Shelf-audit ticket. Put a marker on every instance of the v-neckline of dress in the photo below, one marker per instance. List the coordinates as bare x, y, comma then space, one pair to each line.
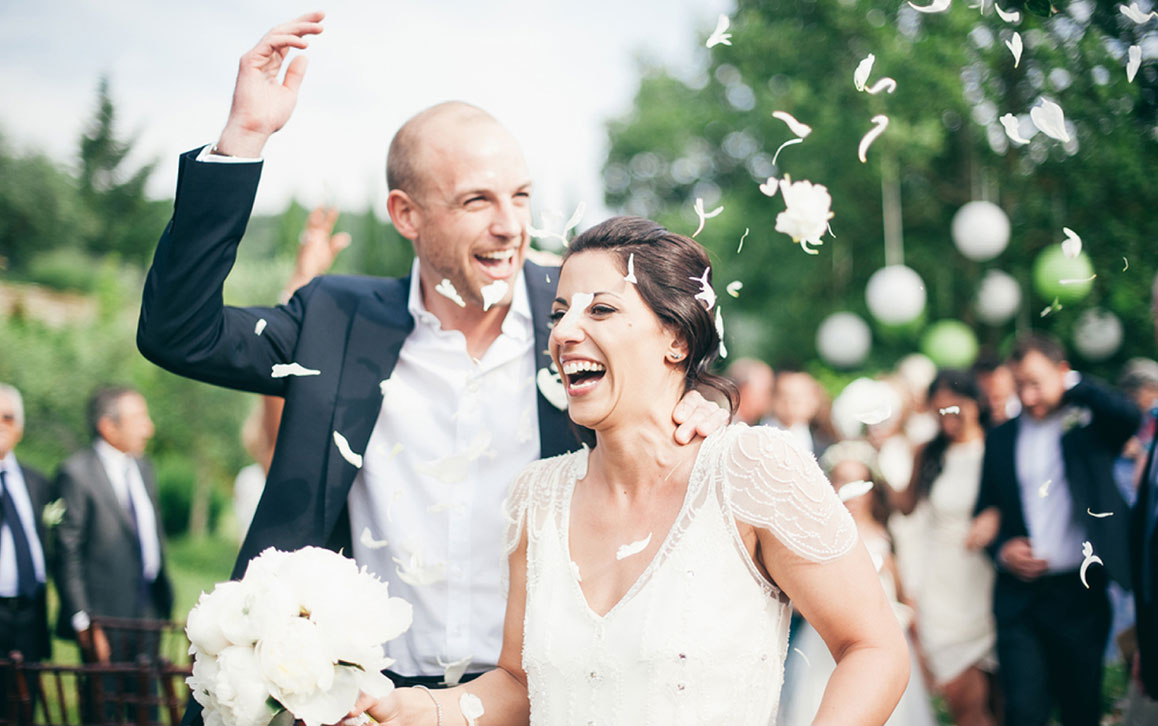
665, 546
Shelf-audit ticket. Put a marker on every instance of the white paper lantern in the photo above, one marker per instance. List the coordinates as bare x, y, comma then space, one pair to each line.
998, 297
864, 402
1097, 334
895, 294
980, 230
843, 340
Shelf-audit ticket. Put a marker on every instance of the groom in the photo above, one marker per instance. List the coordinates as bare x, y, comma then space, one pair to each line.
414, 401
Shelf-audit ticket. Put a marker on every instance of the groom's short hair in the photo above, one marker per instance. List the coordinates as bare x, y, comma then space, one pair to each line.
402, 159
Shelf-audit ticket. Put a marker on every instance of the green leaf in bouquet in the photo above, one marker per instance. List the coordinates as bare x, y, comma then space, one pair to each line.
282, 718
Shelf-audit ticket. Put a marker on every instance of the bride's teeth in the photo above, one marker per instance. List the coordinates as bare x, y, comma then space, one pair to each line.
577, 366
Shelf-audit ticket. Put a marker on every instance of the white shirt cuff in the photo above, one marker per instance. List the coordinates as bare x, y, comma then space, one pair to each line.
80, 621
206, 154
1071, 379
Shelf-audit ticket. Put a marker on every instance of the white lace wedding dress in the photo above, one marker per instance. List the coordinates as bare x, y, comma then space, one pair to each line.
700, 638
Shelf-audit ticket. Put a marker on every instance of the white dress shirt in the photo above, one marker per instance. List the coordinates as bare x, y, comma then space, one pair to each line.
124, 474
451, 435
1055, 533
19, 491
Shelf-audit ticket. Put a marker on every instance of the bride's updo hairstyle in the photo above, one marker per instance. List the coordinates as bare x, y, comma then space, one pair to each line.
668, 268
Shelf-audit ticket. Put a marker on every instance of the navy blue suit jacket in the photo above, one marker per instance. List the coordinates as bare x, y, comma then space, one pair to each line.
1146, 604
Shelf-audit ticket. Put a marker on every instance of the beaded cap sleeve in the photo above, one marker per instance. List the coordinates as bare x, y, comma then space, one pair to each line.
772, 483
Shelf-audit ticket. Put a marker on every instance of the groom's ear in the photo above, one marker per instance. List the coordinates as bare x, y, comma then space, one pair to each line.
404, 213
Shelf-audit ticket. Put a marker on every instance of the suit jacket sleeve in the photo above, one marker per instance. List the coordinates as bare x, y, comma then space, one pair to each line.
184, 324
70, 544
1114, 418
988, 496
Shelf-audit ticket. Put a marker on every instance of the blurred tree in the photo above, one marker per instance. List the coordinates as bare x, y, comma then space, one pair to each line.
127, 222
711, 135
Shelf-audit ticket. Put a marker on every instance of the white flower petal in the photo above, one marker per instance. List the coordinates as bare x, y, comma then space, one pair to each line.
1072, 247
630, 276
471, 707
576, 217
368, 541
281, 370
800, 653
861, 75
808, 209
720, 36
789, 142
414, 571
446, 289
551, 386
1077, 281
1050, 120
769, 187
937, 6
720, 332
1133, 12
344, 449
1134, 62
704, 216
854, 489
874, 416
1098, 515
1090, 559
1043, 490
1015, 47
1011, 16
706, 293
453, 671
734, 288
881, 122
745, 236
802, 130
1012, 129
494, 293
634, 548
884, 84
260, 327
948, 410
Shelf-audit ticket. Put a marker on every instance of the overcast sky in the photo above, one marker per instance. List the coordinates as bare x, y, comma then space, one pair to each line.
552, 72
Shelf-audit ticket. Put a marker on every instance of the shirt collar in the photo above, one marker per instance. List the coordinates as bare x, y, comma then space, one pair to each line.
8, 462
516, 324
111, 454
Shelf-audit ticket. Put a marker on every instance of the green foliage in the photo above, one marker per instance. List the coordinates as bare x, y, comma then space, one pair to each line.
712, 136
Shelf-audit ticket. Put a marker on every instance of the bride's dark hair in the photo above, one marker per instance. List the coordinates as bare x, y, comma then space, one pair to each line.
668, 268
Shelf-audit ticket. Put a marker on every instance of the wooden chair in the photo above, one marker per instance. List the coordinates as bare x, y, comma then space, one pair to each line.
162, 639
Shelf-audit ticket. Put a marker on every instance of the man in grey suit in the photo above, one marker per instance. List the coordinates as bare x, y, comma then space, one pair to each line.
111, 556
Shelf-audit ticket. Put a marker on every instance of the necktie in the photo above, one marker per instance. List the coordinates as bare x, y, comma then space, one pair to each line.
131, 508
26, 584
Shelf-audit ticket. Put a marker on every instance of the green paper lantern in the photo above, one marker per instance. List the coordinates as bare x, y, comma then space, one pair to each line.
1052, 267
950, 344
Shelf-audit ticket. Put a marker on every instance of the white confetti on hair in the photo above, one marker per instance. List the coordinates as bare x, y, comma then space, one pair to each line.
260, 327
281, 370
720, 36
881, 122
706, 293
720, 332
446, 289
633, 548
630, 276
1090, 559
704, 216
345, 450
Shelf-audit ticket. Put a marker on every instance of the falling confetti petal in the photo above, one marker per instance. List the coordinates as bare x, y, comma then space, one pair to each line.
1050, 120
854, 489
937, 6
453, 671
720, 36
281, 370
1011, 16
884, 84
704, 216
346, 452
769, 187
1043, 490
575, 571
789, 142
1098, 515
802, 130
1090, 559
706, 293
1012, 129
1052, 307
745, 236
446, 289
551, 386
1015, 47
455, 468
720, 332
634, 548
1072, 247
493, 293
1077, 281
1134, 62
949, 409
445, 506
804, 246
630, 276
416, 573
1133, 12
260, 327
1125, 264
471, 707
368, 541
800, 653
875, 416
562, 234
861, 75
734, 288
881, 123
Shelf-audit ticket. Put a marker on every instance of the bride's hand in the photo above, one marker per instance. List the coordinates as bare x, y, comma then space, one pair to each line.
384, 710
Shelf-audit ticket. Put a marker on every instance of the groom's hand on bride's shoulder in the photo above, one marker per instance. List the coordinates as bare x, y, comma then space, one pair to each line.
262, 102
697, 416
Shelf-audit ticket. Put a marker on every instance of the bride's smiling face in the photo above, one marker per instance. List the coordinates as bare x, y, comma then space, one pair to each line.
614, 354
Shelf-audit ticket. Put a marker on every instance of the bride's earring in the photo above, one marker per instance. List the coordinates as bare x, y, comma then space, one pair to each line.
675, 357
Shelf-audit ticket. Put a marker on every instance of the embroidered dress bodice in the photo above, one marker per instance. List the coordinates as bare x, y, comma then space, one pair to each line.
701, 636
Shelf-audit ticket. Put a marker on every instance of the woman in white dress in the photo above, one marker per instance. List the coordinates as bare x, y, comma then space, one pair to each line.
955, 602
650, 583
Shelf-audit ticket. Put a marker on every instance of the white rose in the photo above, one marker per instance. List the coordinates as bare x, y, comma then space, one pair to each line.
208, 619
331, 705
296, 660
203, 682
304, 570
242, 693
809, 209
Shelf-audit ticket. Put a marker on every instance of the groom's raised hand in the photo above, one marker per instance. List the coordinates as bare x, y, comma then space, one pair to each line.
262, 101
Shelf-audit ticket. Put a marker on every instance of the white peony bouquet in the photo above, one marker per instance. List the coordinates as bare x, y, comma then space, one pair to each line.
301, 632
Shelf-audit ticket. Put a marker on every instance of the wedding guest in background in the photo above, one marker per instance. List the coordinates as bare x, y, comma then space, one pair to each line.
797, 407
754, 380
1139, 381
1049, 471
24, 492
995, 379
955, 602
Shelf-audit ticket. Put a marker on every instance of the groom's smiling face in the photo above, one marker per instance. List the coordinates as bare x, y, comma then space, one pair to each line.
472, 207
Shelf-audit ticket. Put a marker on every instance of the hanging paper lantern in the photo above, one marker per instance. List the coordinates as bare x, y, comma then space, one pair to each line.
864, 402
1097, 334
998, 297
980, 230
1067, 279
843, 340
950, 343
895, 294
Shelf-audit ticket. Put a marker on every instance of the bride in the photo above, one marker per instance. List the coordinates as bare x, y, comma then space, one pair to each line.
651, 583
